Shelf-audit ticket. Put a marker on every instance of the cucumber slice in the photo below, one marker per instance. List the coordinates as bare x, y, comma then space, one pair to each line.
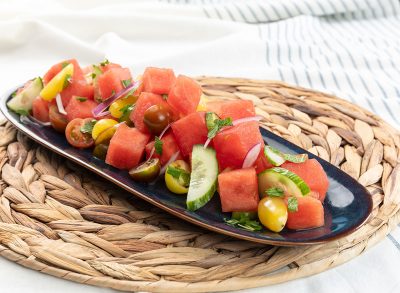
289, 182
203, 179
274, 156
22, 102
300, 158
210, 120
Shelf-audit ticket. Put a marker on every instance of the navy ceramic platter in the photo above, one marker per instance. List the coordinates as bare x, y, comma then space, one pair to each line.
347, 205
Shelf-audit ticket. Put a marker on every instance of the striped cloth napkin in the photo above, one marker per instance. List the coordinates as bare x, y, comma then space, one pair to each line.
350, 48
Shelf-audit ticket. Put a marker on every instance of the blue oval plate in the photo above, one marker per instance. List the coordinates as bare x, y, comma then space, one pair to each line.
347, 204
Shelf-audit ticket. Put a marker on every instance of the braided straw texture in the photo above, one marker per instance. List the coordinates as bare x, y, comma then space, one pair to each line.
58, 219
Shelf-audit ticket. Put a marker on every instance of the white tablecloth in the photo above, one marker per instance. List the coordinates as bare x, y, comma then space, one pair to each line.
347, 47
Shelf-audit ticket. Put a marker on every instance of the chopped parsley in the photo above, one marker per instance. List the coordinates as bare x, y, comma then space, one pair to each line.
181, 175
81, 99
126, 82
215, 126
244, 223
292, 204
158, 145
88, 126
274, 192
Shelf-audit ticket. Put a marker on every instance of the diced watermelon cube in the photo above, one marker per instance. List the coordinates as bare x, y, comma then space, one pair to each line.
110, 82
77, 88
309, 214
184, 95
189, 131
79, 107
238, 190
56, 68
40, 109
313, 174
232, 144
108, 66
236, 109
169, 147
126, 147
158, 80
145, 101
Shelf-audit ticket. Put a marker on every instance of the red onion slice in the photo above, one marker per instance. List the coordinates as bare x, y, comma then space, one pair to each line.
207, 142
161, 135
60, 105
252, 156
247, 119
105, 113
172, 159
103, 106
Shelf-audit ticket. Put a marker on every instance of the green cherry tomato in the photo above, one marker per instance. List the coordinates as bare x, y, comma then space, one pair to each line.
100, 151
272, 213
177, 177
147, 171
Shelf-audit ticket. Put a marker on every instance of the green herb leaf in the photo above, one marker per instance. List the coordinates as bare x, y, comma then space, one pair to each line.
181, 175
125, 109
104, 63
216, 126
126, 83
292, 204
64, 64
93, 75
274, 192
88, 126
244, 223
67, 80
165, 97
81, 99
158, 145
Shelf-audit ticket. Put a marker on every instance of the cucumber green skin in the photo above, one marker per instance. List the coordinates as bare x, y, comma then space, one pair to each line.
22, 103
200, 201
286, 178
269, 152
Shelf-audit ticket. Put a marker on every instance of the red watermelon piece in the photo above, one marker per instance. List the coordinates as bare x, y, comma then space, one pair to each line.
79, 107
126, 147
313, 174
56, 68
310, 214
238, 190
184, 95
262, 162
77, 88
110, 82
189, 131
40, 109
145, 101
108, 66
158, 80
232, 144
235, 109
169, 147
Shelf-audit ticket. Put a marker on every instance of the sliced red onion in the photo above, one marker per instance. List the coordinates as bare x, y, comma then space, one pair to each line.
207, 142
32, 120
172, 159
60, 105
103, 106
252, 156
105, 113
247, 119
164, 131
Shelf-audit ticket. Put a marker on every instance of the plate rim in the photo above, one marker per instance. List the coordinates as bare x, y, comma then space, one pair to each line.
290, 243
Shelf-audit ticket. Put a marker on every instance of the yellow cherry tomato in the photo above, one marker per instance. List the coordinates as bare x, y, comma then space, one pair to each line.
102, 125
56, 84
272, 212
202, 106
177, 177
117, 108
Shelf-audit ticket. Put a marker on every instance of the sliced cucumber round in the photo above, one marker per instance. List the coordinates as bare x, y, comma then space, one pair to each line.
290, 183
22, 102
203, 179
274, 156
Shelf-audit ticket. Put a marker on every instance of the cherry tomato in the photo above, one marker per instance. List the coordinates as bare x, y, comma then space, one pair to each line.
147, 171
118, 108
156, 118
57, 120
272, 212
105, 136
100, 151
101, 126
179, 183
75, 136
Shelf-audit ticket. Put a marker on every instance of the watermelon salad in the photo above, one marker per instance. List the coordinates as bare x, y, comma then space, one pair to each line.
159, 126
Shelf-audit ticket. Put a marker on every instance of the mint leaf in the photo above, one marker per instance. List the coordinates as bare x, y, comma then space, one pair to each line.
158, 145
93, 75
64, 64
104, 63
244, 223
125, 109
88, 126
181, 175
292, 204
81, 99
126, 82
215, 126
274, 192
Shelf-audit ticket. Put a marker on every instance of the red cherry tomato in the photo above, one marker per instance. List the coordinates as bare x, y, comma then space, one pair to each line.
76, 137
57, 120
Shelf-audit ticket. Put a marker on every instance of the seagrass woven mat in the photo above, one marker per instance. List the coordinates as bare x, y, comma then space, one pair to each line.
61, 220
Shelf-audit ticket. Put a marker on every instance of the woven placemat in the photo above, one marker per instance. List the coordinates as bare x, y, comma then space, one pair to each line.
61, 220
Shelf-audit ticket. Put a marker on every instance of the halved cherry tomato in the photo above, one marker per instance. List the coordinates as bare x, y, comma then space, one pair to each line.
101, 126
76, 137
118, 108
57, 120
156, 118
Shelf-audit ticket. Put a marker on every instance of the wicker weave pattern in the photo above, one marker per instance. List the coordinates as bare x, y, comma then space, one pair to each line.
58, 219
